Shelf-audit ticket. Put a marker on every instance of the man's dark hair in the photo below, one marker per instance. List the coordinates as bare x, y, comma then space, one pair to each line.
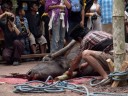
7, 4
32, 4
18, 10
78, 31
4, 6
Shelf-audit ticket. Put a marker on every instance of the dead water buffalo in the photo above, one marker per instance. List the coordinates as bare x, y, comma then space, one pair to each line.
52, 68
58, 65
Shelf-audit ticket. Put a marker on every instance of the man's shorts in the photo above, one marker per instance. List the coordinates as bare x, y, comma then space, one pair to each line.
40, 40
102, 57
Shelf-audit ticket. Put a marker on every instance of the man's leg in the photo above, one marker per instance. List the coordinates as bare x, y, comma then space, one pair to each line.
42, 41
33, 47
18, 50
32, 43
7, 55
71, 26
55, 36
47, 33
43, 48
88, 56
62, 36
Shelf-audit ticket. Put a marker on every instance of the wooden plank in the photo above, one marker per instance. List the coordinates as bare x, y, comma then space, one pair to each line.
33, 55
110, 65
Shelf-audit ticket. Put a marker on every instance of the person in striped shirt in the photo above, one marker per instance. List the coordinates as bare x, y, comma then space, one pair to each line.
94, 49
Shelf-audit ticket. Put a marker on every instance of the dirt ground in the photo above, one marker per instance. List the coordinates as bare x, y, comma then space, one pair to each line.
7, 89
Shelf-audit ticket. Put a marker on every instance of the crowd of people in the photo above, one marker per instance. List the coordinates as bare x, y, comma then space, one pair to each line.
44, 26
54, 23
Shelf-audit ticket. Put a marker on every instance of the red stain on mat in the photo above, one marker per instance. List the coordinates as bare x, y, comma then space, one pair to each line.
13, 80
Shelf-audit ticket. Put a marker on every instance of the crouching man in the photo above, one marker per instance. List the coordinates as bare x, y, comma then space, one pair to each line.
13, 46
95, 48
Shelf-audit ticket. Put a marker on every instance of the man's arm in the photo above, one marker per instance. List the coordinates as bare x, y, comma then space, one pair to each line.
74, 64
57, 6
4, 14
16, 29
67, 4
82, 15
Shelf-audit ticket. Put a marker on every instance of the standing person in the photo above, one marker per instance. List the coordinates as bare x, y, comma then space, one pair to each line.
75, 16
106, 14
87, 5
34, 26
95, 48
13, 46
94, 21
44, 21
57, 10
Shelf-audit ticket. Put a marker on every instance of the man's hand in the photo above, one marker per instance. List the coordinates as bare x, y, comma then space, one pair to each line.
82, 24
69, 72
9, 13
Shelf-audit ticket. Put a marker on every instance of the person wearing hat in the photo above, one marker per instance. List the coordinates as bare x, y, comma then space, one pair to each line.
94, 49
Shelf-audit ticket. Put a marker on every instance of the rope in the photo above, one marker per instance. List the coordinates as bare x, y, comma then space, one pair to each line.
56, 87
99, 83
123, 75
111, 76
49, 88
108, 94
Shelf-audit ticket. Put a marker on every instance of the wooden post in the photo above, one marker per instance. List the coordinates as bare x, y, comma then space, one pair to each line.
118, 34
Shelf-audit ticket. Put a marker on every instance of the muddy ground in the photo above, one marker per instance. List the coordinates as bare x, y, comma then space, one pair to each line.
7, 89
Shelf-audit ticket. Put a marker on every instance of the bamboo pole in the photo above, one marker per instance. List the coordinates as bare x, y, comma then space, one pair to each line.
118, 35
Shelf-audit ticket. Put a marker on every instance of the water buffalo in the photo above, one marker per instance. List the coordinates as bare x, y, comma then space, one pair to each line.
58, 65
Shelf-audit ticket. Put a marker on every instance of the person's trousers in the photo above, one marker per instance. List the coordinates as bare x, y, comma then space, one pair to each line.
58, 35
72, 24
14, 53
